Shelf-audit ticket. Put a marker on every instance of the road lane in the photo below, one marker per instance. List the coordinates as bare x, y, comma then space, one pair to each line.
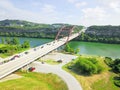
18, 63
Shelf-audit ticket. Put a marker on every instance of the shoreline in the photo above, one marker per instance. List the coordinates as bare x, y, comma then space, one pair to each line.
54, 38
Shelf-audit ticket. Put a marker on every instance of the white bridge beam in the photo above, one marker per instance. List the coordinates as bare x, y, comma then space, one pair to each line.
33, 54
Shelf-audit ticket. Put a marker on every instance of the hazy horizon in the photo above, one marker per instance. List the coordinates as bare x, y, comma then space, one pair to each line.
77, 12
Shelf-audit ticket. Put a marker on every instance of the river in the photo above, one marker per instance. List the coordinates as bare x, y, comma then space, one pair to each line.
89, 48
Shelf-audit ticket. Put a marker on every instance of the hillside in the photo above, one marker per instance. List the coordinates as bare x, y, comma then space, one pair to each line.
105, 31
20, 28
28, 29
105, 34
21, 24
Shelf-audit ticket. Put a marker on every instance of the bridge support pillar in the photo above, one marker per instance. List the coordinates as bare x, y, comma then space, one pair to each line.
25, 68
55, 50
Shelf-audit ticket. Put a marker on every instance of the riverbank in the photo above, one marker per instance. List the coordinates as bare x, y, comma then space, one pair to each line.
102, 81
95, 82
89, 48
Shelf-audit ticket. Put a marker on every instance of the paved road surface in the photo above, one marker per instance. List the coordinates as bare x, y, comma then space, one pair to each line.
71, 82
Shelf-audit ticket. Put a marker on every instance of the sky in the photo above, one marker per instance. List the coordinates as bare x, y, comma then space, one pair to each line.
77, 12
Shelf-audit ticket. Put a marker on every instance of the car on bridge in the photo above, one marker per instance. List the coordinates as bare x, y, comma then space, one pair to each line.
16, 56
42, 46
26, 52
48, 43
35, 49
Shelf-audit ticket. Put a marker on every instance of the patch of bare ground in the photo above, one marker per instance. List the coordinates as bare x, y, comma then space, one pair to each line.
10, 77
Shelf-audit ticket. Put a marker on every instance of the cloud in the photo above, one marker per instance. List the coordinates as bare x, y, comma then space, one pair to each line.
94, 16
115, 6
72, 1
97, 13
48, 8
36, 4
5, 4
9, 11
111, 4
83, 12
80, 4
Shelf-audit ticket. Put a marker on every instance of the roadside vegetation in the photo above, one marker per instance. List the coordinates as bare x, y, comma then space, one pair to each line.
70, 50
92, 73
34, 81
49, 61
87, 66
9, 46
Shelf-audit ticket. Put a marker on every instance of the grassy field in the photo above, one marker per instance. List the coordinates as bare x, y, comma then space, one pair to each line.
2, 45
50, 61
34, 81
103, 81
4, 55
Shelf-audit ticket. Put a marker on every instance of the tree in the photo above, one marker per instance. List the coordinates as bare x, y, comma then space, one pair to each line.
76, 50
88, 66
116, 65
7, 40
2, 40
26, 44
67, 48
15, 41
82, 36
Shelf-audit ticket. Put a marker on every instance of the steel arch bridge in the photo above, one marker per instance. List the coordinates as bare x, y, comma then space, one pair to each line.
69, 30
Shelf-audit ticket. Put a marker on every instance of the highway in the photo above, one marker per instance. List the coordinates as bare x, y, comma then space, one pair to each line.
33, 54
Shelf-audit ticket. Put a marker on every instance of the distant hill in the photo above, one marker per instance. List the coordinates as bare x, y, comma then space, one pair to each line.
27, 24
22, 23
21, 28
29, 29
105, 34
16, 23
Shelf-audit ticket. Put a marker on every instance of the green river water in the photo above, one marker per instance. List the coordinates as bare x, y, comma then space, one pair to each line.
89, 48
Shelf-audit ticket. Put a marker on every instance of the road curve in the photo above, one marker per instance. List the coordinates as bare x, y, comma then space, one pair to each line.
71, 82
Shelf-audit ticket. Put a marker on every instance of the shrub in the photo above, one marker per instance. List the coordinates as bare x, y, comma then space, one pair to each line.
108, 61
67, 48
116, 65
88, 66
93, 60
99, 68
117, 81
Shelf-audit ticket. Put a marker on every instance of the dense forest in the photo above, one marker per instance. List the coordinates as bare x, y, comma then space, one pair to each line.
104, 34
20, 28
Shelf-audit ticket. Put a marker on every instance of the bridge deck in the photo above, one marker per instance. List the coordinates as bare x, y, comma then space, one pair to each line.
11, 66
